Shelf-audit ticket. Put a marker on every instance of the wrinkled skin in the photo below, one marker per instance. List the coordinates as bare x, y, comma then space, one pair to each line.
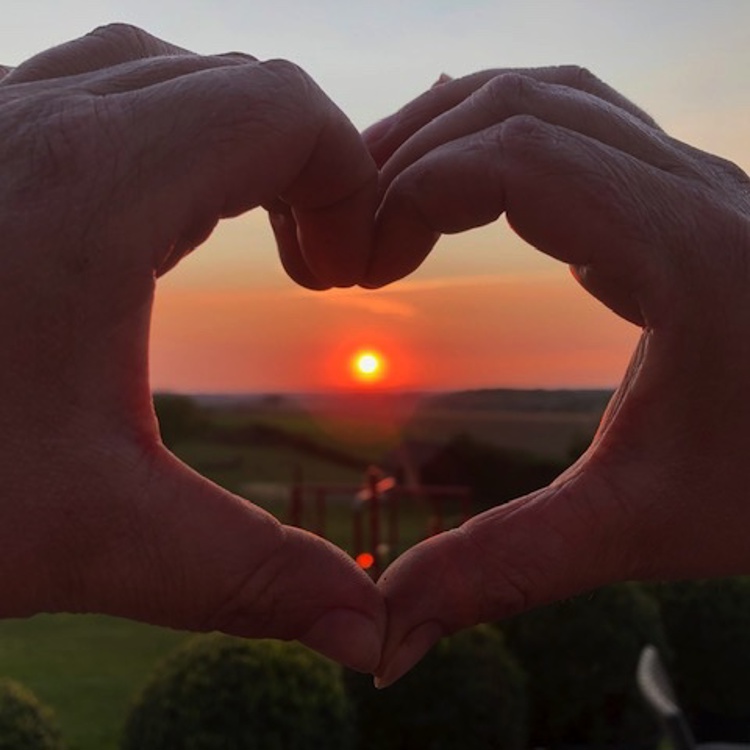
660, 233
120, 153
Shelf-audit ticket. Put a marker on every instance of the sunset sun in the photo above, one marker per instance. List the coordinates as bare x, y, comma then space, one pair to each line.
368, 366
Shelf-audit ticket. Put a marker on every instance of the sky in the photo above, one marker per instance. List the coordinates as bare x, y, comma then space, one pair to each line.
484, 310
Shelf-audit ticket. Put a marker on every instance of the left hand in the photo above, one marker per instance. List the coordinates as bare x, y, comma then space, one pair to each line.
120, 154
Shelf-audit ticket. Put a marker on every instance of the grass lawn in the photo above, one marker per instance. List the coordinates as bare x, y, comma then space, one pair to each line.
86, 668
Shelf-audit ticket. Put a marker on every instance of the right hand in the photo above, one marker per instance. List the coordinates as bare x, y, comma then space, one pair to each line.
660, 233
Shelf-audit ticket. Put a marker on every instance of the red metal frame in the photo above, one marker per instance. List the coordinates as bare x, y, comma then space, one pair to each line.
375, 503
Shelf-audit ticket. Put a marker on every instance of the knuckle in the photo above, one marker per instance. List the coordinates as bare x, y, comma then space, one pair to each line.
123, 35
289, 73
520, 127
294, 82
734, 172
510, 86
503, 95
580, 77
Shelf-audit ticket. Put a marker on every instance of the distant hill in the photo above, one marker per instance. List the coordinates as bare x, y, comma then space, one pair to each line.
556, 424
487, 399
512, 400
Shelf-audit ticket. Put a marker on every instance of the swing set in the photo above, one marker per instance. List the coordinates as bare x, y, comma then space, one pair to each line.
379, 508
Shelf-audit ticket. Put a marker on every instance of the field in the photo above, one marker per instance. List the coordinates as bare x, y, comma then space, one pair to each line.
88, 668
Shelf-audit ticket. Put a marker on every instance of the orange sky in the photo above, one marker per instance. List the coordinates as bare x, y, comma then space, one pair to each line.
508, 317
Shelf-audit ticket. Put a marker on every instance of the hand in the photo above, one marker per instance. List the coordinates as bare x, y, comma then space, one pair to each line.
120, 153
660, 233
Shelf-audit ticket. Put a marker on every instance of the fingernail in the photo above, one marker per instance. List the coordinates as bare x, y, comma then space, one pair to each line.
278, 220
411, 650
347, 637
443, 78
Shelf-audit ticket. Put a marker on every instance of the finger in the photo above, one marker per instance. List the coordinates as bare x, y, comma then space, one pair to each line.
333, 201
284, 228
223, 141
618, 221
140, 74
557, 542
454, 188
513, 94
104, 47
449, 188
441, 79
572, 197
384, 138
462, 186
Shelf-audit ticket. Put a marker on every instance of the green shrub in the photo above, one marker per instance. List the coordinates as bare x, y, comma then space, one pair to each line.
221, 693
24, 723
581, 657
467, 693
708, 627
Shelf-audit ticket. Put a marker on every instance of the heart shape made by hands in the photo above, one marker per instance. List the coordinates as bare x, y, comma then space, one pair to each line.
122, 152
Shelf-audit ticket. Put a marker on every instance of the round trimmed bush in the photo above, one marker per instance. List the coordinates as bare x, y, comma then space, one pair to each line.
24, 723
467, 693
581, 657
708, 627
222, 693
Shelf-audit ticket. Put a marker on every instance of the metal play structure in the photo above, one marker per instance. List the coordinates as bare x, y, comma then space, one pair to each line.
376, 509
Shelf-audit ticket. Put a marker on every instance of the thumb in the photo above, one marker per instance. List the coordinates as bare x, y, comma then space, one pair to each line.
559, 541
189, 555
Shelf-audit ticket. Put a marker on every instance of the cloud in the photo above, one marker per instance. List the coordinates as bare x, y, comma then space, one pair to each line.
453, 282
390, 301
372, 302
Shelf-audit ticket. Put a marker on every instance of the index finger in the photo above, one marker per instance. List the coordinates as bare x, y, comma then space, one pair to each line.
386, 137
333, 202
104, 47
256, 134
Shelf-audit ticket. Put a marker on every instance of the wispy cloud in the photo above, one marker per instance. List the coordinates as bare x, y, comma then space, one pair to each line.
370, 298
393, 300
372, 303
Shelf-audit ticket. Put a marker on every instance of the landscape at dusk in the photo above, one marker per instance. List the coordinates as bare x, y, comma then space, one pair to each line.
255, 481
